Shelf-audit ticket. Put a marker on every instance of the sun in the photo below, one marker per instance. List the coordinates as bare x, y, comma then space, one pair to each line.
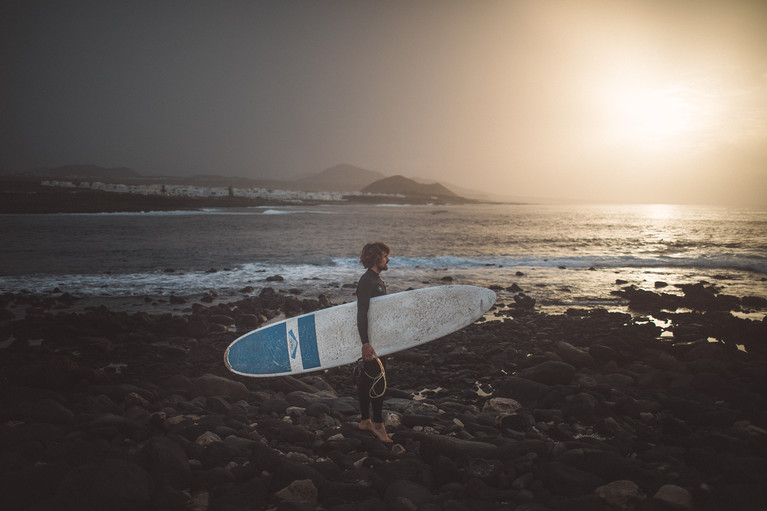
655, 114
658, 115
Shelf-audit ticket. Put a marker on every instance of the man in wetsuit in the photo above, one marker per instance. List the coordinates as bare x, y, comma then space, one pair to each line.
371, 384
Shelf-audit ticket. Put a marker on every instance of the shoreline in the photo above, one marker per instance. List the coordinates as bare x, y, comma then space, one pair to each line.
621, 296
588, 408
30, 197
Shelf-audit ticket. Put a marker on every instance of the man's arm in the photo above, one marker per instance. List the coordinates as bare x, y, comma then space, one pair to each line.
364, 293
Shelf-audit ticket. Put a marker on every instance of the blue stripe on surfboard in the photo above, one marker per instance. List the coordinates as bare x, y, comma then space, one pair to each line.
262, 352
307, 336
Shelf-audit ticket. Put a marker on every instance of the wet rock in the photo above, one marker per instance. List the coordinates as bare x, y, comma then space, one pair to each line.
501, 405
524, 301
674, 496
221, 319
211, 478
61, 373
302, 490
113, 484
549, 373
404, 495
212, 385
264, 458
520, 389
754, 301
701, 297
574, 356
332, 493
284, 431
289, 471
252, 494
562, 479
166, 462
317, 409
50, 410
621, 495
642, 300
275, 407
451, 447
178, 384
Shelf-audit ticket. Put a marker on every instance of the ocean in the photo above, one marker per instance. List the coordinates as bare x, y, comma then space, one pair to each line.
562, 255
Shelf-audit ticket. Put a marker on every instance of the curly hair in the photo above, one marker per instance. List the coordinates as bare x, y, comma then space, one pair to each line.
372, 253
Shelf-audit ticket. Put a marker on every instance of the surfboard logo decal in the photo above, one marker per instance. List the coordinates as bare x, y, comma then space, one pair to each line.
292, 344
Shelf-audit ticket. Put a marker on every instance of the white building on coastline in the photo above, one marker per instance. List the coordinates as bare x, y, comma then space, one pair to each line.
199, 191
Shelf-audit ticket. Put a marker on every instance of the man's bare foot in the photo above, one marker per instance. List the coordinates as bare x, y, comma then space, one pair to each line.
378, 430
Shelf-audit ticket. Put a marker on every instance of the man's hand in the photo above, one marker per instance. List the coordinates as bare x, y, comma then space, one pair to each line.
368, 353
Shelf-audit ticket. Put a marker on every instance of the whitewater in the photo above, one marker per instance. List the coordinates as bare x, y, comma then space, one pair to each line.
561, 255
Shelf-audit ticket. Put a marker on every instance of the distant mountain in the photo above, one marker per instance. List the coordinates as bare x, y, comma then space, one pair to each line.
86, 172
476, 195
409, 188
341, 178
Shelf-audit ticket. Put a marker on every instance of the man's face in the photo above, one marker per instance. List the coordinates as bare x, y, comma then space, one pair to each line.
383, 263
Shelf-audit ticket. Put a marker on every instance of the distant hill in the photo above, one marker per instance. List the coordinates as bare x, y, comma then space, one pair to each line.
86, 172
409, 188
476, 195
341, 178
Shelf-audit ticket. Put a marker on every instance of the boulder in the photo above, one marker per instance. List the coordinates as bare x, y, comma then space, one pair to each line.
522, 301
674, 497
621, 495
113, 484
302, 490
501, 405
404, 495
433, 446
572, 355
212, 385
551, 372
524, 390
50, 410
561, 479
166, 462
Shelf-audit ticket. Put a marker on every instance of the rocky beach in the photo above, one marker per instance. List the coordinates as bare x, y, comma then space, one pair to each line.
663, 408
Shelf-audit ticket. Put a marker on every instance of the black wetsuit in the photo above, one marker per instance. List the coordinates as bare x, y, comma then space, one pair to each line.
369, 286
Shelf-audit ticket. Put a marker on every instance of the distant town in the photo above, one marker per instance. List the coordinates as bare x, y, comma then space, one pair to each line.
90, 188
175, 190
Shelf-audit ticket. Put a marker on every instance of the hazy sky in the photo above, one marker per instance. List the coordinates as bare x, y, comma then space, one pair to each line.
647, 101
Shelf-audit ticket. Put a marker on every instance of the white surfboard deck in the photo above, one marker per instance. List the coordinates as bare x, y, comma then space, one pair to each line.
329, 337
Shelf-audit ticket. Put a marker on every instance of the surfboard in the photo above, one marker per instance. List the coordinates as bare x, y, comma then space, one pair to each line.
329, 337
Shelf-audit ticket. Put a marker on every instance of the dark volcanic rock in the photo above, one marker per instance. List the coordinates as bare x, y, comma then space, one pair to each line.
451, 447
549, 373
166, 462
562, 479
110, 484
585, 410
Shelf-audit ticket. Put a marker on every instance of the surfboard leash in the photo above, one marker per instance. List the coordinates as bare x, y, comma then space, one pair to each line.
375, 379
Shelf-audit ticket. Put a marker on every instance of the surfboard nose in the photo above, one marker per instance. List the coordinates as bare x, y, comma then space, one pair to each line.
487, 299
